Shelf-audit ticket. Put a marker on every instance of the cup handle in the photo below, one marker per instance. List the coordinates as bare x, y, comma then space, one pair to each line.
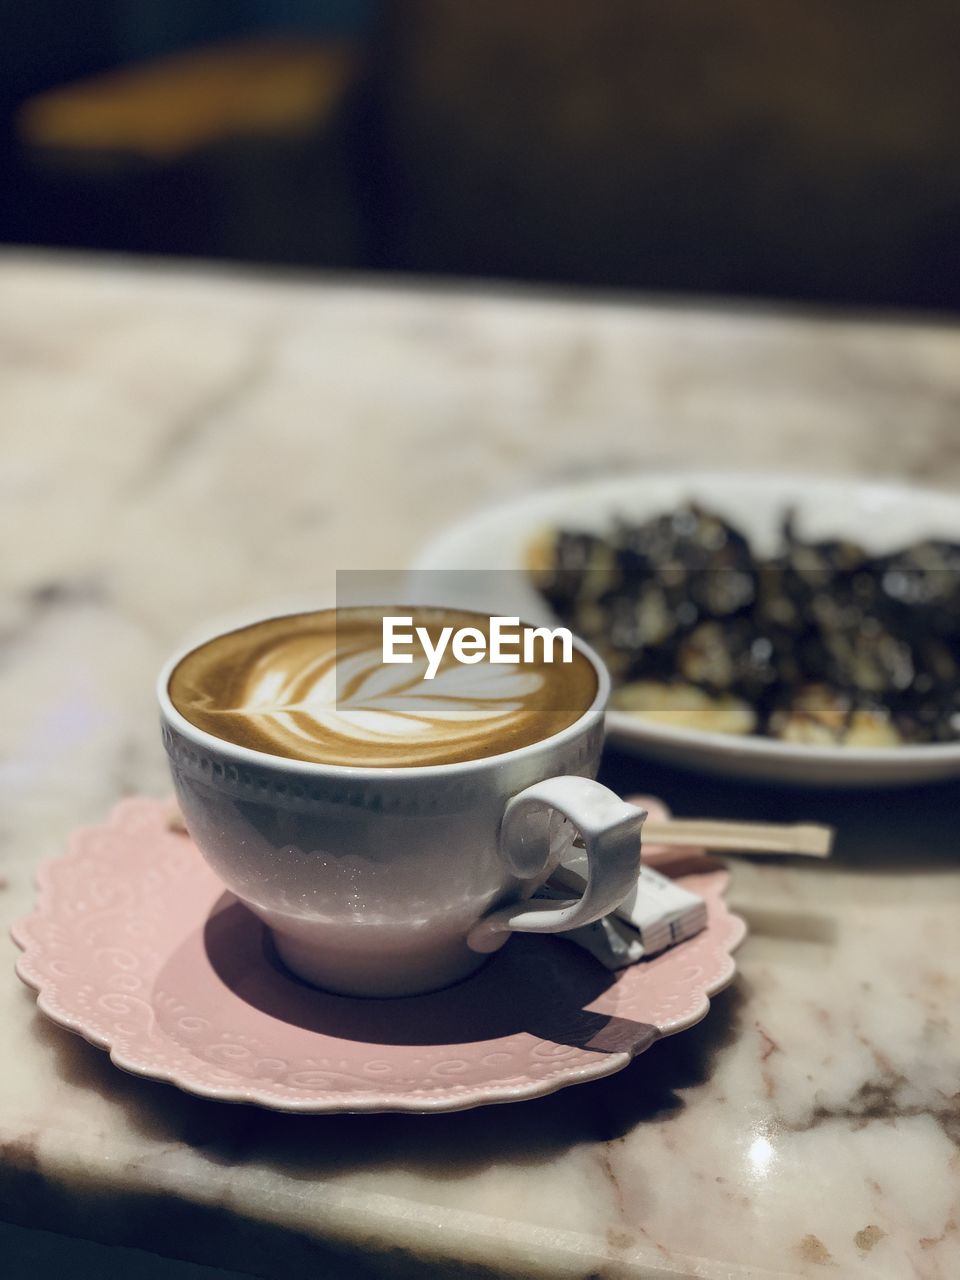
610, 830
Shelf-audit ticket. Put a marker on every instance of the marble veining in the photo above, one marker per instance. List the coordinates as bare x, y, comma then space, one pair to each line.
179, 445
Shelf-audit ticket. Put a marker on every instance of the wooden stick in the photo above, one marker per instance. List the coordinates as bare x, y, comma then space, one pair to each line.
741, 837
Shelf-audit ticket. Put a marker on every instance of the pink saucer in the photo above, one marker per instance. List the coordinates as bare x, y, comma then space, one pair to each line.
136, 946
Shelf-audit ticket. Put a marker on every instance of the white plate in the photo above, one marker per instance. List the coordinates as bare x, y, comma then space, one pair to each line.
880, 516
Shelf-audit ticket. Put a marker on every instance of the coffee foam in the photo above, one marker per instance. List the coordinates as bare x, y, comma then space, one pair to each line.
314, 687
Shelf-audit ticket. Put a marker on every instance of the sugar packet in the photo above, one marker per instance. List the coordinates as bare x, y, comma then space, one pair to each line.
658, 913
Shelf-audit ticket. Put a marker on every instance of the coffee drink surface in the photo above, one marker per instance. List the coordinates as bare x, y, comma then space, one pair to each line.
314, 687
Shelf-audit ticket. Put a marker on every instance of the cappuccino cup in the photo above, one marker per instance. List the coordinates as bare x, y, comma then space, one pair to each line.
390, 832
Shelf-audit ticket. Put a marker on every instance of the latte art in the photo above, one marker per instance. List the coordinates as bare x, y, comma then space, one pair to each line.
314, 687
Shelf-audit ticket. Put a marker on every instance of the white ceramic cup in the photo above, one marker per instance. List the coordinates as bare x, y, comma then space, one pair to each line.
397, 881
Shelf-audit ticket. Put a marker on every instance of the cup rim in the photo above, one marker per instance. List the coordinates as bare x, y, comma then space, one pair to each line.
313, 768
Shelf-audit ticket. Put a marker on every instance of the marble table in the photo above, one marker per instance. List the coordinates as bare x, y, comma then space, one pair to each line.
181, 443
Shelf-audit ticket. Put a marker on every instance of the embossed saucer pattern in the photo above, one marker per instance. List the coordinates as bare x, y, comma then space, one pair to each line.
135, 946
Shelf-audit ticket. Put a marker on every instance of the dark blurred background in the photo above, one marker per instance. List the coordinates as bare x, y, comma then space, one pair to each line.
800, 149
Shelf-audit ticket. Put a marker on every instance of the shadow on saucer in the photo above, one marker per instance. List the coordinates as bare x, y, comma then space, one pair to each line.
541, 986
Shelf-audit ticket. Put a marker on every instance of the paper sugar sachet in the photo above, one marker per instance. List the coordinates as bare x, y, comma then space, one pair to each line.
658, 913
614, 944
